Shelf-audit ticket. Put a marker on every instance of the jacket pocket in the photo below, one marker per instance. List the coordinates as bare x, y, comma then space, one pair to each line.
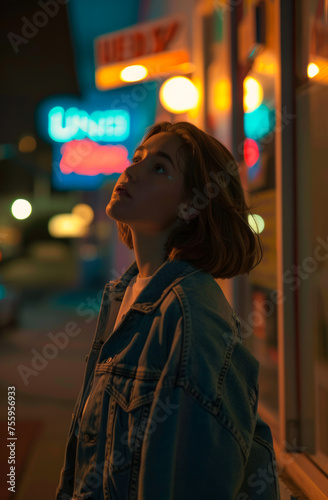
131, 395
130, 387
131, 398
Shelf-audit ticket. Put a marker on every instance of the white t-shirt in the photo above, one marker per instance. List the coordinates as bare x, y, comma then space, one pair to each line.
131, 293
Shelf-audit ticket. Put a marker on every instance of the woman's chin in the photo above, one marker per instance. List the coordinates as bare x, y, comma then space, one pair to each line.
114, 211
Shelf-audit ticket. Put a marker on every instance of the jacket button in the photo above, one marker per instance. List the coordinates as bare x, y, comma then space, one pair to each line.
109, 360
86, 438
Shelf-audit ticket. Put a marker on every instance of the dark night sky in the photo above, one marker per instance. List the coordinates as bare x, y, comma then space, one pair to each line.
41, 67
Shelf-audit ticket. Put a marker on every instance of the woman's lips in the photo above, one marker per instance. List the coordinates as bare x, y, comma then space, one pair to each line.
122, 192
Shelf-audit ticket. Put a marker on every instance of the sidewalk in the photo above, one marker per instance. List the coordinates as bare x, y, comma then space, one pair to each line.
45, 401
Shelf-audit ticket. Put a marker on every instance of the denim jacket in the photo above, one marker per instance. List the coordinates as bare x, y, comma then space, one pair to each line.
172, 413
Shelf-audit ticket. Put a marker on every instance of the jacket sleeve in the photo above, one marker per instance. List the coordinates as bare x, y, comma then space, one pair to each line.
187, 452
64, 490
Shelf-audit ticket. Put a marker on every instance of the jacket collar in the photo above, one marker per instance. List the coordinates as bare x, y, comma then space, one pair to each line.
166, 276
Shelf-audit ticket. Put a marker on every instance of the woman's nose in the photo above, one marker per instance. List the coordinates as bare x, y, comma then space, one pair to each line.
129, 173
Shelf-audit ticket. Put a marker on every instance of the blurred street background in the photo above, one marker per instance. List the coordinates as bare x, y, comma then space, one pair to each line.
80, 83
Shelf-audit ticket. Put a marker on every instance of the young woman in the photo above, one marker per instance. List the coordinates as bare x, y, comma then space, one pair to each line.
168, 407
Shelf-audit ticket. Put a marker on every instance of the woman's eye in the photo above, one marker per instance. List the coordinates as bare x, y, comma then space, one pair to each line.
160, 166
136, 159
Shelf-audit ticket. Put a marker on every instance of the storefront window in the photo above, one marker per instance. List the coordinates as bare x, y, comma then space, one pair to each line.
258, 62
312, 170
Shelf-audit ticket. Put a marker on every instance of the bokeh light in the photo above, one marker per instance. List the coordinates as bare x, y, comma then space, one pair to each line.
256, 222
312, 70
84, 211
27, 144
251, 152
21, 209
10, 235
134, 73
259, 122
178, 94
67, 226
253, 94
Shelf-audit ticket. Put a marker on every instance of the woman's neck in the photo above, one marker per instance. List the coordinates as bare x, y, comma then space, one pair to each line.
149, 252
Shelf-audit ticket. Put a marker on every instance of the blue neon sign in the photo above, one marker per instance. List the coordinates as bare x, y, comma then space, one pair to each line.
94, 135
64, 126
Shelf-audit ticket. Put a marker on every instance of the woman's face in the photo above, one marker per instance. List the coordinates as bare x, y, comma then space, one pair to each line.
155, 184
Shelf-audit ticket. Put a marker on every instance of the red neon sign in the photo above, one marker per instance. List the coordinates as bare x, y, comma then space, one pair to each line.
86, 157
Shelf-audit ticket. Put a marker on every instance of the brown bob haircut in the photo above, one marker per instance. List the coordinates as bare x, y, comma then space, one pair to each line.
219, 239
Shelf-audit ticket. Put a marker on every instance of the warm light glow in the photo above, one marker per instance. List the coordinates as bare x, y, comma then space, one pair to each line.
251, 152
27, 144
256, 222
253, 94
268, 69
134, 73
84, 211
67, 226
10, 235
194, 112
107, 77
312, 70
21, 209
265, 62
178, 94
222, 95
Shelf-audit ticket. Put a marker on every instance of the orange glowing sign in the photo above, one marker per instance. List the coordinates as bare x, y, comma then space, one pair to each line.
136, 43
159, 45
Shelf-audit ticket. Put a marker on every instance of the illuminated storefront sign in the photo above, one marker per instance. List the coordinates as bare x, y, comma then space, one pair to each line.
92, 138
80, 162
160, 46
65, 125
86, 157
